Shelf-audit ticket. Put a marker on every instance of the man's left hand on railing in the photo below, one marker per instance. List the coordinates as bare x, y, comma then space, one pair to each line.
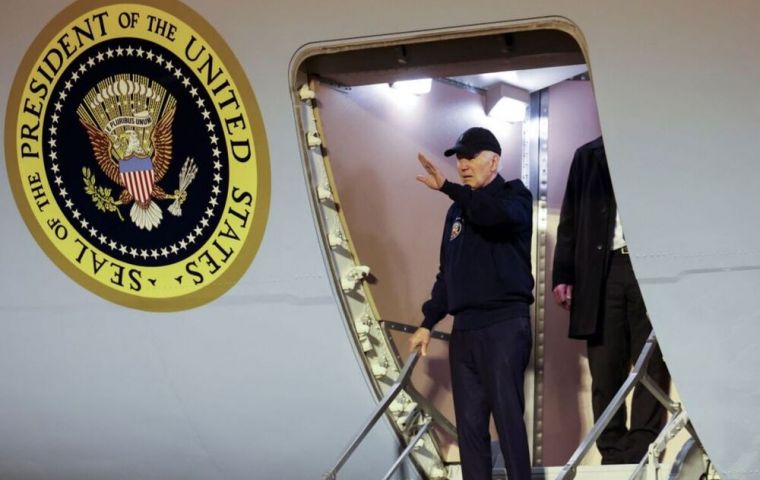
420, 340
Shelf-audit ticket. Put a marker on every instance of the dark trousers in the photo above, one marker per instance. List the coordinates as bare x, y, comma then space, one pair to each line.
487, 370
611, 354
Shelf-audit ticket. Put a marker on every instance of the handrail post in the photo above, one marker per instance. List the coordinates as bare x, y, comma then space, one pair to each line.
402, 380
569, 470
674, 425
427, 423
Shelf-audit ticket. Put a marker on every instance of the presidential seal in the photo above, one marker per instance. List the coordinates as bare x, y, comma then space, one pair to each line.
136, 154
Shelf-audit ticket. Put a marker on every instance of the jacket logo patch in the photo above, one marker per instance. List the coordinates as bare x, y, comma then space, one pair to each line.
456, 229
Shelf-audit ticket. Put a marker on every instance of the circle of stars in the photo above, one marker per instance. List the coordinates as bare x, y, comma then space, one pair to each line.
177, 72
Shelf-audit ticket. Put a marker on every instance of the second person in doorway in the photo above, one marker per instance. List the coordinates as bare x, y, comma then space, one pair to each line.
594, 280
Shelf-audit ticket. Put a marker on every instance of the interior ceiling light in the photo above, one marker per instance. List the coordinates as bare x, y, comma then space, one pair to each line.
505, 102
418, 87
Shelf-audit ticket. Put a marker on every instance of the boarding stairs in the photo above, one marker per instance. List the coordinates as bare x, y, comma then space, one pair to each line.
690, 464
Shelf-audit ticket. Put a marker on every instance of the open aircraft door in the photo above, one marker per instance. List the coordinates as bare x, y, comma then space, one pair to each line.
380, 230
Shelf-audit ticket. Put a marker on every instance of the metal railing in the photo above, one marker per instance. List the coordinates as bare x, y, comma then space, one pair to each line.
417, 418
638, 376
422, 418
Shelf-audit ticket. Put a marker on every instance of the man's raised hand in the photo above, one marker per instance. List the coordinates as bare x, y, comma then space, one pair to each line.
434, 179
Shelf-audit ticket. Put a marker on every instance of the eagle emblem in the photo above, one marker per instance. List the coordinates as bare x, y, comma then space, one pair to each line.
456, 228
128, 120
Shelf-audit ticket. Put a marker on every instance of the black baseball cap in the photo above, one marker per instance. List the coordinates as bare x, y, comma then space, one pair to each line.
474, 141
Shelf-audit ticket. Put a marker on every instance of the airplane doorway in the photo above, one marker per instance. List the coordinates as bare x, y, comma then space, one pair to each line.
373, 134
370, 134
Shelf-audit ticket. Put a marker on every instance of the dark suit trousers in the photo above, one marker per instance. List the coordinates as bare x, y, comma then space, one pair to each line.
611, 354
487, 370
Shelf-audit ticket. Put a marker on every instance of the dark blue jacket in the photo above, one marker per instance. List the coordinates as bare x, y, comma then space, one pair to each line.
485, 270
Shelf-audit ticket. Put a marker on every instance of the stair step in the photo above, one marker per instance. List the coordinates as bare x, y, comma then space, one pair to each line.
584, 472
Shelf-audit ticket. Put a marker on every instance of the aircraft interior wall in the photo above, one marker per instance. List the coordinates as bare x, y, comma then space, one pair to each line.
373, 134
572, 122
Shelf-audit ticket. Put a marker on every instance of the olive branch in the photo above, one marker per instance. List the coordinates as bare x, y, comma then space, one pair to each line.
101, 196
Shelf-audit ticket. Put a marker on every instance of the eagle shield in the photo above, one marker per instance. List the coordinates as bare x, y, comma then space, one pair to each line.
128, 119
137, 174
